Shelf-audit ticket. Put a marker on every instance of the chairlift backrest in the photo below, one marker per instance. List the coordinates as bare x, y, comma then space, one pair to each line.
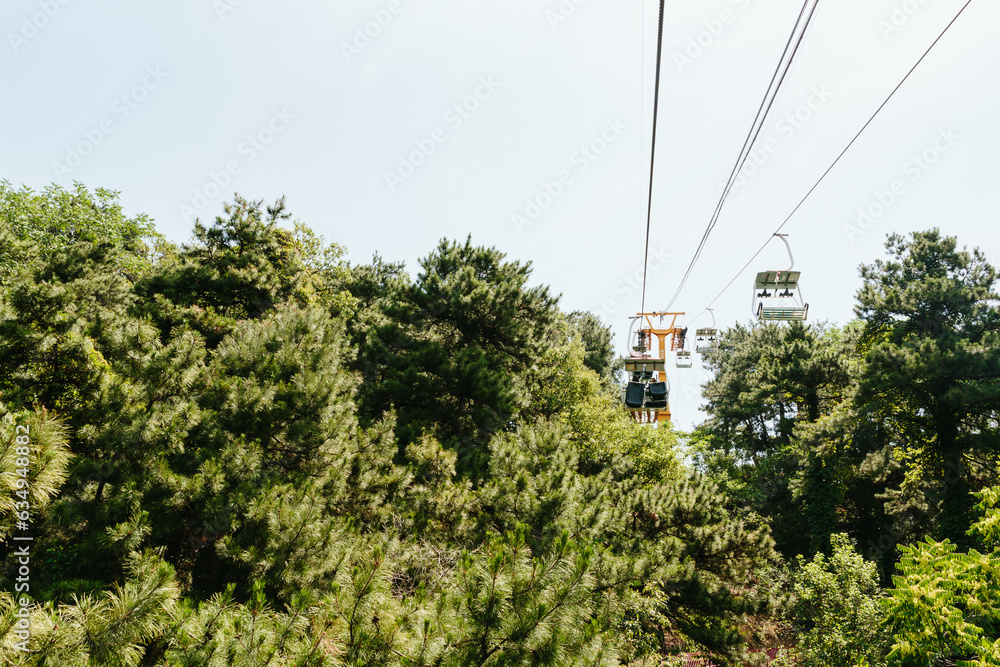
777, 280
635, 394
658, 389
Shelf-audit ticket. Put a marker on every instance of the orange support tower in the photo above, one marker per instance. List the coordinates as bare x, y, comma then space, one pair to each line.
648, 372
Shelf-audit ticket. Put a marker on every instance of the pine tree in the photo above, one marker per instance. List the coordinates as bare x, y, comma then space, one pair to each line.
771, 385
932, 364
228, 502
276, 464
451, 346
34, 459
107, 629
70, 345
674, 532
240, 267
113, 628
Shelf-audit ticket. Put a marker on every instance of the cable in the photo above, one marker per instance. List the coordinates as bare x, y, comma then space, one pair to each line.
642, 72
770, 96
760, 120
652, 152
842, 153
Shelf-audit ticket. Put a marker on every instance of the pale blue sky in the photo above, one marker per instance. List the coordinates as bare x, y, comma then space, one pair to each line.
267, 98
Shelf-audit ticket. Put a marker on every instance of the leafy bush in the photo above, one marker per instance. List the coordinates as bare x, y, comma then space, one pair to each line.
837, 609
945, 607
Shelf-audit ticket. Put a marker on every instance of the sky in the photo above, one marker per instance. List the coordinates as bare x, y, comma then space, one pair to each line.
390, 124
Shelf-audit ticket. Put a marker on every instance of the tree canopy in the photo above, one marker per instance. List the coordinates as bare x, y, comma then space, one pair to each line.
245, 450
250, 452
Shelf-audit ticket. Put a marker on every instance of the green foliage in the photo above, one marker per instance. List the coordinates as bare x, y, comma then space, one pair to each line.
932, 366
449, 349
602, 430
837, 609
243, 267
55, 219
771, 386
596, 339
239, 493
221, 632
328, 276
563, 387
945, 605
987, 529
34, 459
109, 629
520, 610
881, 429
674, 532
59, 319
769, 378
562, 378
280, 470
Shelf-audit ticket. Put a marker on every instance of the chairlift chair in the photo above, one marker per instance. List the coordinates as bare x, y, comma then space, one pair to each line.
707, 339
657, 394
684, 359
777, 296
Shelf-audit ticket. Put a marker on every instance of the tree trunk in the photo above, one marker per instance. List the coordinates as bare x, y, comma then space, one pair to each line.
956, 499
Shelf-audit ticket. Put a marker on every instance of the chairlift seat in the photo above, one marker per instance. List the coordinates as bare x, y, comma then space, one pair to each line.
658, 389
684, 359
656, 394
775, 314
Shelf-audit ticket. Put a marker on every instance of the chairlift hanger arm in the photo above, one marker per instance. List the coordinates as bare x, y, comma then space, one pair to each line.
788, 247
